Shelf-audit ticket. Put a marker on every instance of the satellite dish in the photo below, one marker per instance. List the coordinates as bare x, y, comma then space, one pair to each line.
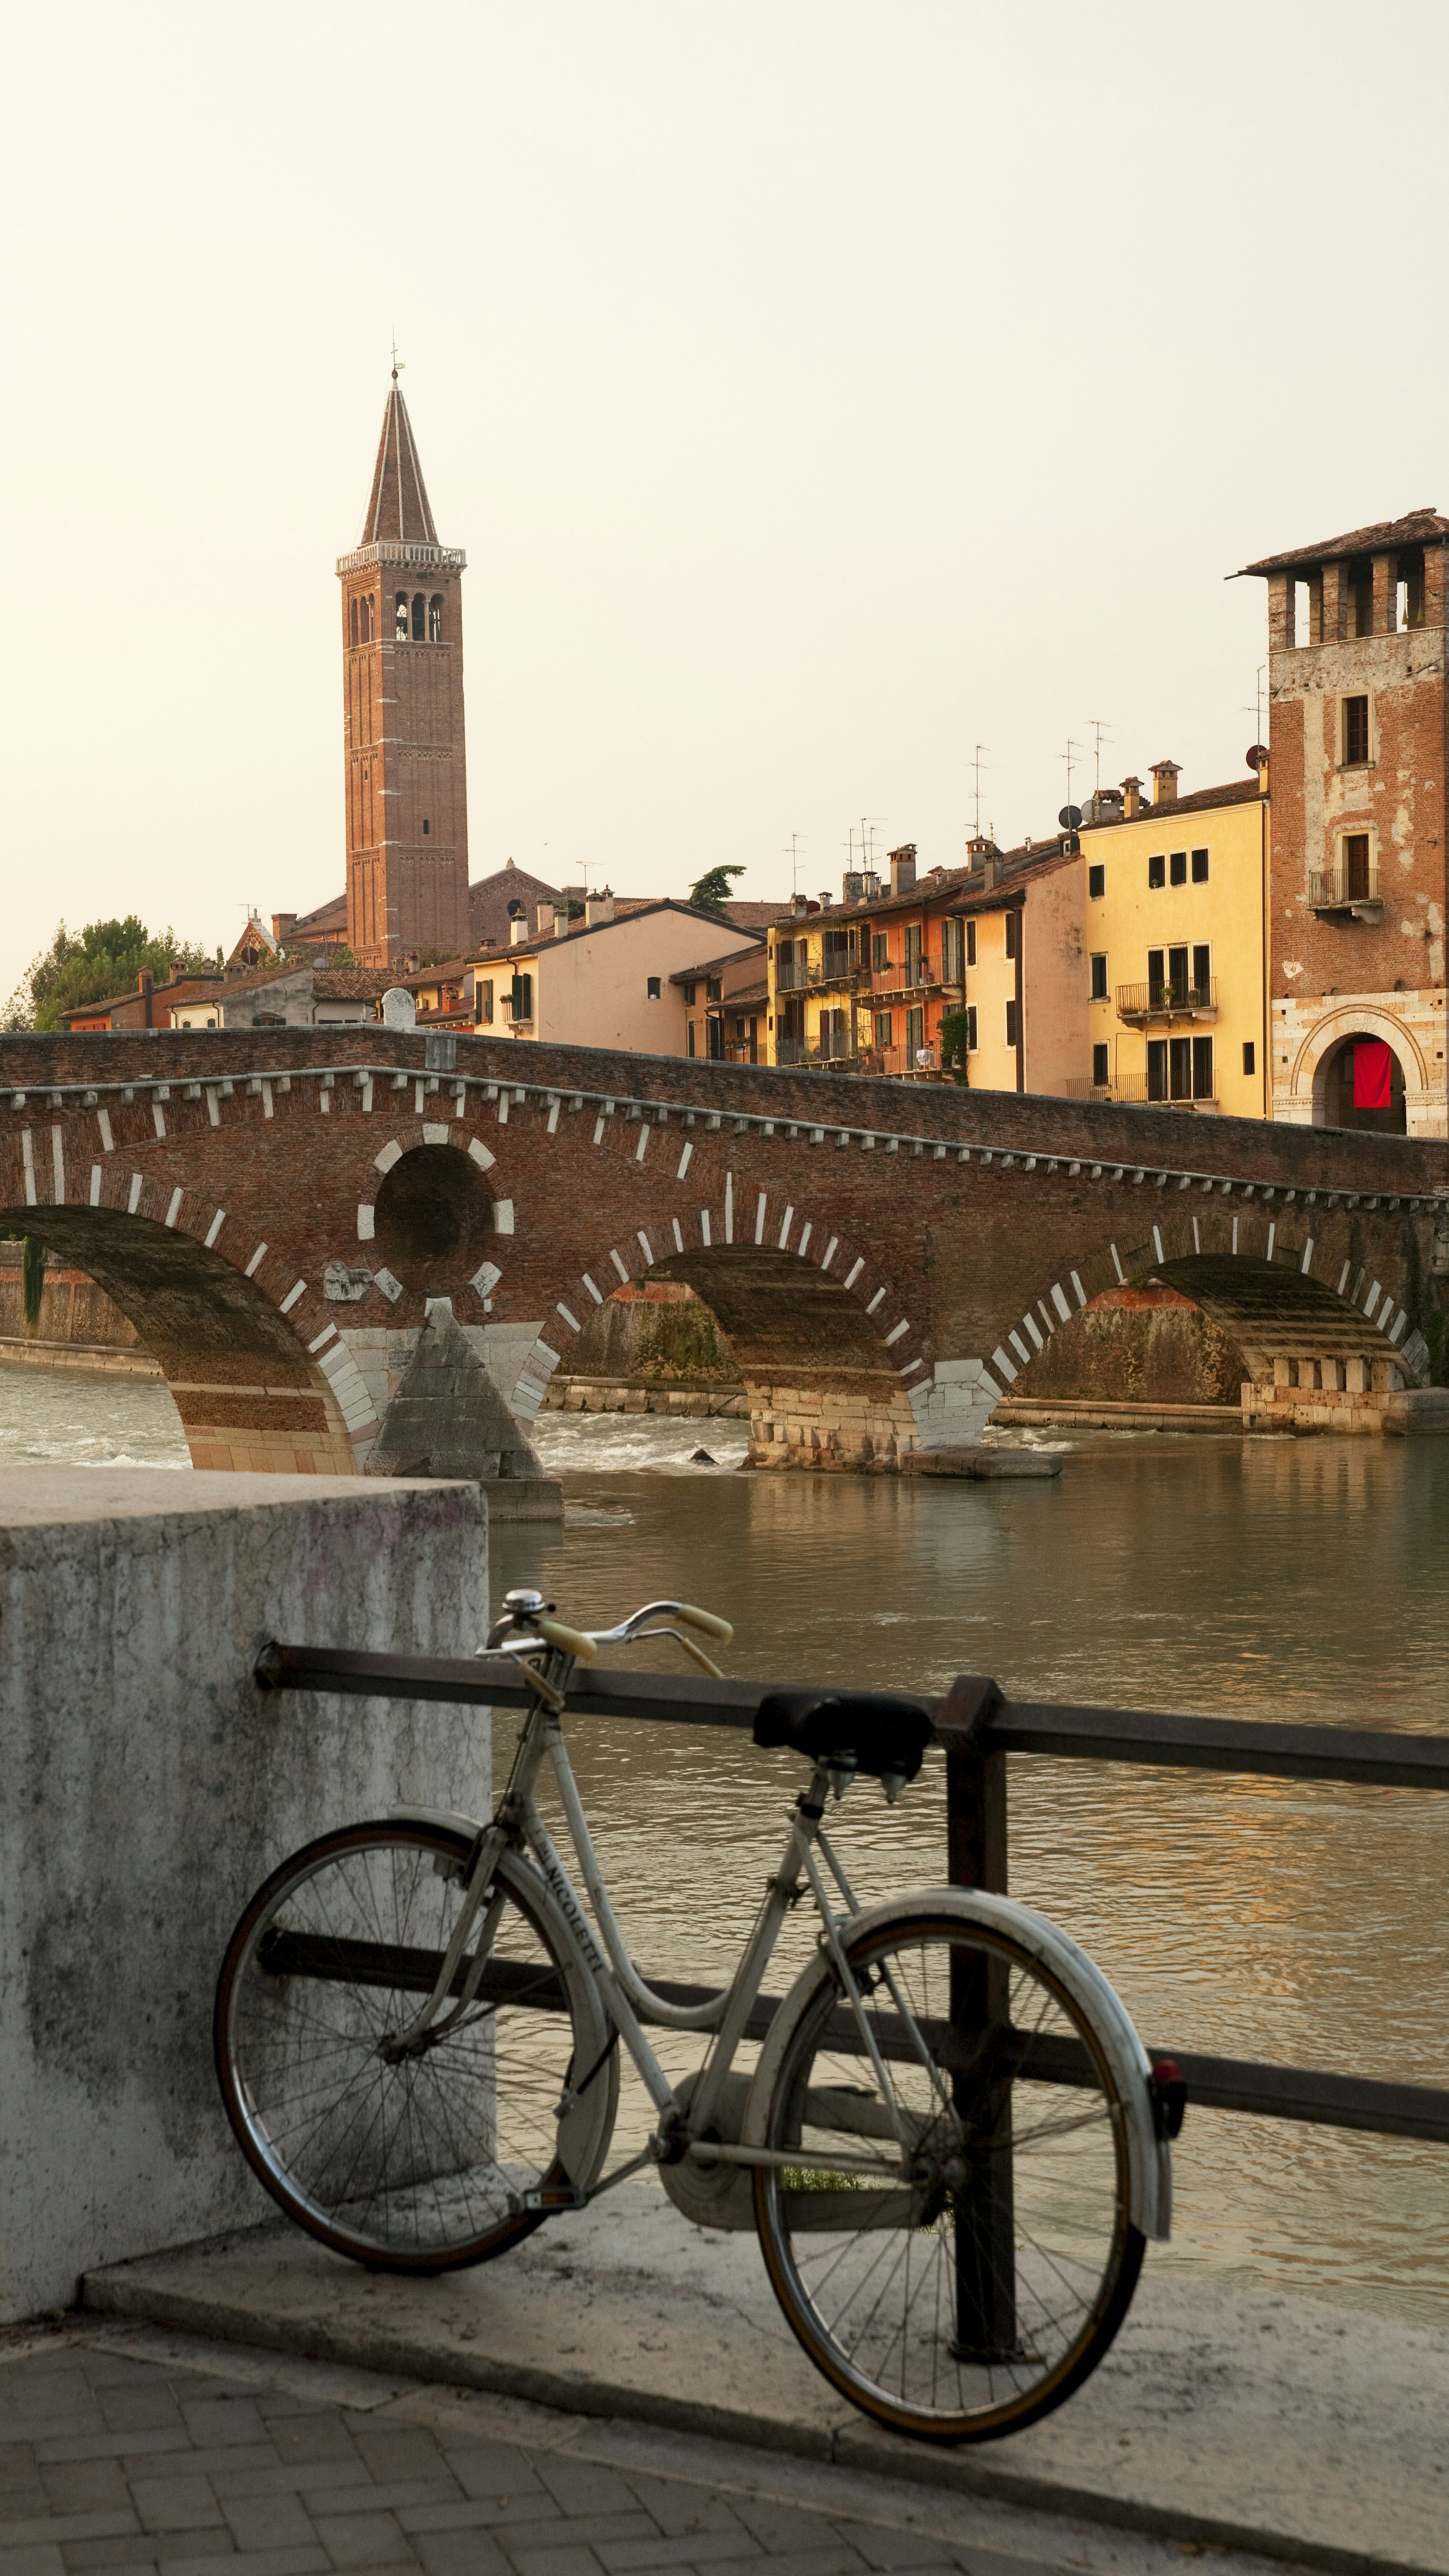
1070, 817
1257, 755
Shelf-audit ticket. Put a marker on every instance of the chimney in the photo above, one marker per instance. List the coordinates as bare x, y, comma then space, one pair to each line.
1262, 769
852, 886
903, 868
517, 931
1131, 799
799, 903
283, 925
825, 899
1165, 775
598, 907
544, 917
145, 986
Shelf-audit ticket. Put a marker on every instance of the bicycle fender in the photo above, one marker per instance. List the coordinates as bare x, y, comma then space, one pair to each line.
1149, 2160
587, 2124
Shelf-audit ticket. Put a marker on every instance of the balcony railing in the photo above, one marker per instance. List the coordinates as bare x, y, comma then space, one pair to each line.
1354, 890
1127, 1088
801, 975
1168, 1001
800, 1051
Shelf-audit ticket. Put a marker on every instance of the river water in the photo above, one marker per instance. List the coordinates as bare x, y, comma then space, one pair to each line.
1274, 1578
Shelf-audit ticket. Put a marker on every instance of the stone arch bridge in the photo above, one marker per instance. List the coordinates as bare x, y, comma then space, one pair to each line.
275, 1210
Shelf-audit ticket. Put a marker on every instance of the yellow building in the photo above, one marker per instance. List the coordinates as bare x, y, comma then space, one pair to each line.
1175, 936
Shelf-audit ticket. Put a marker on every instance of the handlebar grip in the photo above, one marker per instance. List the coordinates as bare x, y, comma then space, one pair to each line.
567, 1641
707, 1622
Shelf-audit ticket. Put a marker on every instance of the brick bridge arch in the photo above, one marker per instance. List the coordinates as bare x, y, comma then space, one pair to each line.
886, 1257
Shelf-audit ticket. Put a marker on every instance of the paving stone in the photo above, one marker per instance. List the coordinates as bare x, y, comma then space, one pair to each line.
461, 2553
581, 2486
568, 2558
269, 2522
364, 2540
181, 2503
85, 2486
394, 2498
40, 2558
216, 2423
401, 2451
492, 2468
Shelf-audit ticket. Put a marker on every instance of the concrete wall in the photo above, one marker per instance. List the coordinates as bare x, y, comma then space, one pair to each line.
150, 1786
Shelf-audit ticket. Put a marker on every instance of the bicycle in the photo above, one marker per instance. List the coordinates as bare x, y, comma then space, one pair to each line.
953, 2146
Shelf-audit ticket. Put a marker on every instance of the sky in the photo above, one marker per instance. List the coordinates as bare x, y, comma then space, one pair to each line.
820, 389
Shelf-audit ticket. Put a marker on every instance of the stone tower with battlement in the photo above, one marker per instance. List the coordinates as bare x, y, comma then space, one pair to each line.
402, 662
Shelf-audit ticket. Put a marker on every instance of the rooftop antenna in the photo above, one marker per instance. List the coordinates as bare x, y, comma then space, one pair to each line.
793, 855
1073, 750
1100, 727
1256, 712
870, 824
976, 766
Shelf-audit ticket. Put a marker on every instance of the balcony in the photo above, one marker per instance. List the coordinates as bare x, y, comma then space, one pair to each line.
1142, 1004
800, 1051
1351, 891
1127, 1089
796, 975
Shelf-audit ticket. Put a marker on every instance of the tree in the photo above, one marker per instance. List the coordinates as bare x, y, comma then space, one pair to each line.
954, 1026
106, 958
712, 891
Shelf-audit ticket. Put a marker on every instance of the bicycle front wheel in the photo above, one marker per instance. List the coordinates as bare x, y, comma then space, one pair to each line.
952, 2245
416, 2161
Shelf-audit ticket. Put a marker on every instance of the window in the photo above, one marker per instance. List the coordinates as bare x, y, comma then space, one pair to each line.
1101, 1075
400, 617
1177, 868
1179, 1069
689, 1039
435, 618
740, 1026
521, 998
711, 988
1099, 979
651, 989
1409, 600
915, 1032
1097, 880
364, 614
1157, 869
1202, 974
1202, 1068
420, 618
835, 953
1250, 1056
970, 943
690, 991
883, 1029
913, 953
880, 951
1359, 584
427, 827
1011, 1016
1199, 867
1355, 732
952, 946
483, 1005
1013, 934
353, 618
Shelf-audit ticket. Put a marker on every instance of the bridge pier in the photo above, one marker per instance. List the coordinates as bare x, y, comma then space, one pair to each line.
830, 1422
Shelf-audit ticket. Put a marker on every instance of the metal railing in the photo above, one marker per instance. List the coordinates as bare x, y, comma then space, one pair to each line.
801, 1051
1337, 889
977, 1728
1125, 1087
1166, 1001
792, 975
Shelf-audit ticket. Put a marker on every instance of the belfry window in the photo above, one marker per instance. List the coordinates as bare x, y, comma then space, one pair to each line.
366, 607
401, 624
435, 618
420, 618
354, 622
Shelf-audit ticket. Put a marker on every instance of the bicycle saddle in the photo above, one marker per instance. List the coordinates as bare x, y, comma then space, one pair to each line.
881, 1734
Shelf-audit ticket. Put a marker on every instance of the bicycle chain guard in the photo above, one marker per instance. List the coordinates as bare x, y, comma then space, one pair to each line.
715, 2195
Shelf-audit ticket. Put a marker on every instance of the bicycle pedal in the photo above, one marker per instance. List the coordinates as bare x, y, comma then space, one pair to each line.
552, 2200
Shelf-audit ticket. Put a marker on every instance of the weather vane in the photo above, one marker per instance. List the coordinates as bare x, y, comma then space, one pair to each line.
397, 363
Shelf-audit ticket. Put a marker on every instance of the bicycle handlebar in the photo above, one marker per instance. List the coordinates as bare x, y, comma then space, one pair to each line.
705, 1621
567, 1641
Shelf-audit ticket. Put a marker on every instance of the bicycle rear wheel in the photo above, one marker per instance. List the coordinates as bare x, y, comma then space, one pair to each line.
418, 2162
971, 2291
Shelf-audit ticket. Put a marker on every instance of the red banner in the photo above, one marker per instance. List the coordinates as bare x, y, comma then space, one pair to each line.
1372, 1074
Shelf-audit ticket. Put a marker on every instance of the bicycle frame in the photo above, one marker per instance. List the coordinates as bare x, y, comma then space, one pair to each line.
626, 1994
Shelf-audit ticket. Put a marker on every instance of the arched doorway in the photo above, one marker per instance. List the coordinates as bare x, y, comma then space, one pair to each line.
1339, 1108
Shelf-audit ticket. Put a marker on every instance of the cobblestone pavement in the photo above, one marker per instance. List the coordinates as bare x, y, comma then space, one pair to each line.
132, 2451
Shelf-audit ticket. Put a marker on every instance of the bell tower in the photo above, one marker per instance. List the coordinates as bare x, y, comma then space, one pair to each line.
402, 665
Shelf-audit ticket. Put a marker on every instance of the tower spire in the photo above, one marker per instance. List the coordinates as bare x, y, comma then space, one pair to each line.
398, 506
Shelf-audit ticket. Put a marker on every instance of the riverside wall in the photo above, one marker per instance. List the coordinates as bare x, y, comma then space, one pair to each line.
152, 1786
